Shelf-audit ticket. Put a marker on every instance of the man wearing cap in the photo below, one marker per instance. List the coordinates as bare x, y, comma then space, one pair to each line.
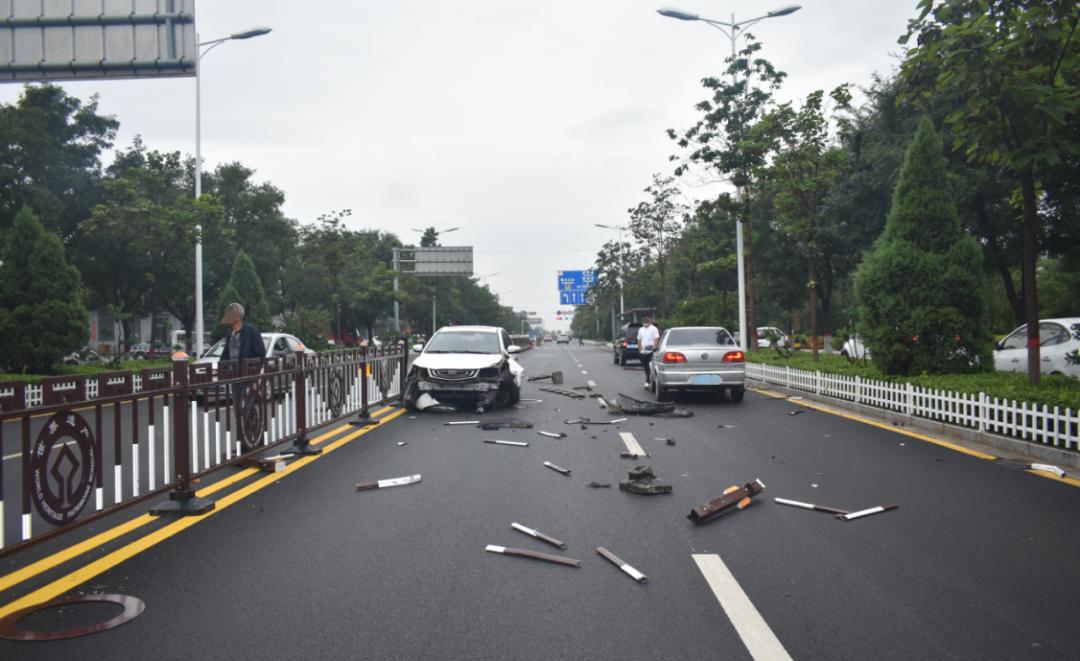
244, 340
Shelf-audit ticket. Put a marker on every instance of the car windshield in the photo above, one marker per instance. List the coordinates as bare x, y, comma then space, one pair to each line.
700, 337
464, 342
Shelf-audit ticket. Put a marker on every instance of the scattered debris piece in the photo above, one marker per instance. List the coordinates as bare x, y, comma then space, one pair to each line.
504, 424
538, 535
564, 393
734, 496
557, 469
810, 506
551, 434
603, 402
1048, 468
726, 427
814, 485
400, 443
519, 444
590, 421
532, 400
425, 401
382, 484
867, 512
669, 441
555, 377
797, 412
633, 406
598, 485
442, 408
557, 559
633, 448
265, 464
412, 417
589, 388
795, 399
615, 560
462, 422
641, 482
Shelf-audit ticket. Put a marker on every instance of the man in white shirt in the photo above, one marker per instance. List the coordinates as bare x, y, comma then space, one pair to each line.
648, 337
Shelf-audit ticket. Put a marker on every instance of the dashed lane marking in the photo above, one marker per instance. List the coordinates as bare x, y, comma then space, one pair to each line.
754, 631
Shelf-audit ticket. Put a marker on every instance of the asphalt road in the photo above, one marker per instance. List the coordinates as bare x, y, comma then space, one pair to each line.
978, 562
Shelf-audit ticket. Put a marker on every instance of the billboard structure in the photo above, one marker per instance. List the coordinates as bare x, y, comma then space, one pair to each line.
86, 39
429, 262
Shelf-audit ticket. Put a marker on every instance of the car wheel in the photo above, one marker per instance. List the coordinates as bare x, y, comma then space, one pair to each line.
615, 357
509, 394
662, 394
622, 359
737, 394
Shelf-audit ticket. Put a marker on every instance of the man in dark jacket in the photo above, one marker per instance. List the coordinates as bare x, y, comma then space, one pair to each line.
243, 341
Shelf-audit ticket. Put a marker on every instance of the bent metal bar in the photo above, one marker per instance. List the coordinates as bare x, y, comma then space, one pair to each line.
74, 458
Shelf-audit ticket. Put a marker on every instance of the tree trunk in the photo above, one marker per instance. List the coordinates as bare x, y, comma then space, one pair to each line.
812, 272
1016, 299
1031, 299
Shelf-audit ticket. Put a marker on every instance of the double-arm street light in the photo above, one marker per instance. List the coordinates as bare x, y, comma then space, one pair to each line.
622, 264
731, 30
204, 48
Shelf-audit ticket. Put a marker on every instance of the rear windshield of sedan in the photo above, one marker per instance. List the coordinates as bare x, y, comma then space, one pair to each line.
464, 342
700, 337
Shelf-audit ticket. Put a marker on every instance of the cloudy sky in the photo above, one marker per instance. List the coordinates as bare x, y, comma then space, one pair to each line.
522, 122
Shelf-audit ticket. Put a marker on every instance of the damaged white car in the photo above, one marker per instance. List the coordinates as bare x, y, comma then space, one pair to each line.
465, 366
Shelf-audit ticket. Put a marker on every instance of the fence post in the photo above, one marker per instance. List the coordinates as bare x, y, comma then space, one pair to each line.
787, 377
182, 499
405, 370
909, 399
364, 419
858, 389
982, 412
817, 381
301, 446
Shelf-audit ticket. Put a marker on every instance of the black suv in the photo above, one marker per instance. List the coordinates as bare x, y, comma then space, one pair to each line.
626, 347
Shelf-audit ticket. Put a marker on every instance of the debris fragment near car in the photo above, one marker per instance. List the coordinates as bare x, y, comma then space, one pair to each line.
866, 512
382, 484
535, 555
489, 425
642, 481
589, 421
633, 406
556, 468
734, 497
626, 568
1047, 468
797, 412
810, 506
538, 535
561, 391
599, 485
669, 441
461, 422
552, 434
554, 377
519, 444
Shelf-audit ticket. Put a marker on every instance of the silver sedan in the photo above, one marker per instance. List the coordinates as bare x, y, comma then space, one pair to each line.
698, 358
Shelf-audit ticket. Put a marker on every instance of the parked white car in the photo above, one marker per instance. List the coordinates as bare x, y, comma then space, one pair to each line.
854, 348
1059, 348
765, 332
277, 344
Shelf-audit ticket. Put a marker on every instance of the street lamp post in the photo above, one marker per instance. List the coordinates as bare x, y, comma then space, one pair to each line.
732, 33
622, 265
210, 45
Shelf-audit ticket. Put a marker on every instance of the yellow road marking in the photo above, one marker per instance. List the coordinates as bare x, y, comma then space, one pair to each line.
905, 432
60, 557
80, 576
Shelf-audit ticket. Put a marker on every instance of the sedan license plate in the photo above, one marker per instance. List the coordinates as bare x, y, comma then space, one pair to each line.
705, 380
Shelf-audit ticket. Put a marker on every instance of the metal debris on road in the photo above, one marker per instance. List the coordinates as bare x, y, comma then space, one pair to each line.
633, 406
810, 506
400, 443
531, 400
589, 421
598, 485
1047, 468
734, 496
425, 401
547, 557
615, 560
555, 377
726, 427
867, 512
382, 484
641, 481
505, 424
669, 441
519, 444
538, 535
557, 469
462, 422
265, 464
797, 412
550, 434
564, 393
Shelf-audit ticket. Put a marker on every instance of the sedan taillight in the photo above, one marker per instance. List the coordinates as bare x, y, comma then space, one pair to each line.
673, 357
625, 343
734, 357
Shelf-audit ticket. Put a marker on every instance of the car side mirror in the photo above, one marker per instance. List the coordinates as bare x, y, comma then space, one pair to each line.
513, 348
417, 348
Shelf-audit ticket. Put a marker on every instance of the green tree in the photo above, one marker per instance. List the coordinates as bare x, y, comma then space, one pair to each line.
245, 288
1014, 66
654, 223
42, 316
920, 289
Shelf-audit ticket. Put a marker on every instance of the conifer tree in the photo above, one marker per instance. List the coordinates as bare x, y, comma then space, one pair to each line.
245, 288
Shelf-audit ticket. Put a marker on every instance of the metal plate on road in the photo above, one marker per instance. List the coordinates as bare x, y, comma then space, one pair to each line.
706, 380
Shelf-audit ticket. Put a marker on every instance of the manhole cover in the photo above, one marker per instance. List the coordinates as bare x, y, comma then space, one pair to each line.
71, 617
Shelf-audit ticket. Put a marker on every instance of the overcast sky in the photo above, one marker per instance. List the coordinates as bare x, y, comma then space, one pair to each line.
522, 122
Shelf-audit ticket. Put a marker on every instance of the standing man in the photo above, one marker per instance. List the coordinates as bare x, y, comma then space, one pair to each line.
243, 341
648, 337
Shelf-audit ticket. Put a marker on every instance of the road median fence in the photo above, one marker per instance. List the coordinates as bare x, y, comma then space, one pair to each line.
77, 448
1041, 424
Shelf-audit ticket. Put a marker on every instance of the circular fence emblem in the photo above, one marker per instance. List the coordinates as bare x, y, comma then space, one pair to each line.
61, 481
250, 417
336, 397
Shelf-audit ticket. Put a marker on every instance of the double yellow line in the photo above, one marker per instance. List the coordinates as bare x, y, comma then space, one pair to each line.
103, 564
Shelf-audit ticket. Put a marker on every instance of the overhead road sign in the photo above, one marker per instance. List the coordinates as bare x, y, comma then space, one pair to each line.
576, 280
437, 261
87, 40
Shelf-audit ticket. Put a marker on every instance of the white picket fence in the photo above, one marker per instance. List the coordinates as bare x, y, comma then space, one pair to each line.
1044, 424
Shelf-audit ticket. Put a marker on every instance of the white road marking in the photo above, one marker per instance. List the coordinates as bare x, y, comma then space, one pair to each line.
754, 631
632, 445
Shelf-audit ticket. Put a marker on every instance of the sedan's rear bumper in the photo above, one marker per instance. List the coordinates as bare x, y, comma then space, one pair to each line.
700, 378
